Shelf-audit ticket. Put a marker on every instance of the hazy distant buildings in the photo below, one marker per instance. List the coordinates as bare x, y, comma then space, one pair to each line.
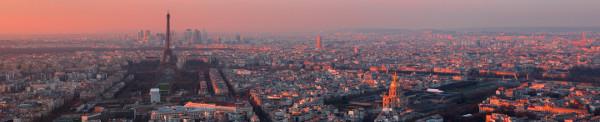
204, 36
194, 36
197, 36
584, 37
238, 38
272, 71
188, 37
318, 42
146, 37
219, 40
140, 36
393, 99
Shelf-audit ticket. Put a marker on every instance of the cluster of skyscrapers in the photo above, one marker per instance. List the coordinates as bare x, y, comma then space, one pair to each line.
187, 37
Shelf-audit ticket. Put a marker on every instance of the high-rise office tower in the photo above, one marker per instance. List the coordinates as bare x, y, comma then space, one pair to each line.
583, 37
168, 57
197, 36
392, 99
238, 37
140, 36
318, 42
144, 36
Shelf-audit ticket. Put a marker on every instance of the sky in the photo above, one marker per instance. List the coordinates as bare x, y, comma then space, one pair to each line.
122, 16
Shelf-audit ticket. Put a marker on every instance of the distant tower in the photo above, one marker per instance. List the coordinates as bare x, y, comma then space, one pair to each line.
168, 57
238, 37
168, 32
318, 42
140, 36
197, 36
188, 36
383, 68
154, 95
392, 100
147, 36
204, 36
583, 37
219, 40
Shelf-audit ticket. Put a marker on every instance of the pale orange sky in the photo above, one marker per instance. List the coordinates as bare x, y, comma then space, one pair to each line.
117, 16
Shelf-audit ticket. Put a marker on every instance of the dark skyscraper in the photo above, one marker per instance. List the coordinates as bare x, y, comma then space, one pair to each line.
197, 36
147, 36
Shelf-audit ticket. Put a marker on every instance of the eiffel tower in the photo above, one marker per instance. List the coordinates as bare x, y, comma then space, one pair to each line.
168, 59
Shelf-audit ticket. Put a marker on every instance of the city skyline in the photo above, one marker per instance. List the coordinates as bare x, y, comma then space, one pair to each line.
75, 17
298, 61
